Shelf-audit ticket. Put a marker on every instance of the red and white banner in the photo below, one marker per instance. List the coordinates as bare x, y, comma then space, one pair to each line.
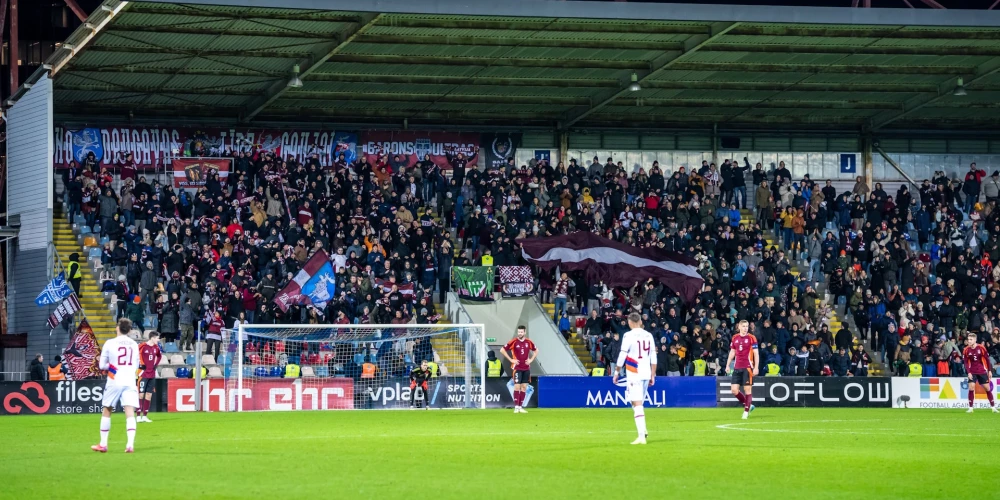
263, 394
82, 352
515, 274
413, 146
68, 307
408, 290
192, 172
614, 263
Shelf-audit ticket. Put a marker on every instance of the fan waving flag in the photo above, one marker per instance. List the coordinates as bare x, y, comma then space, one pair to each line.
314, 285
82, 352
617, 264
56, 290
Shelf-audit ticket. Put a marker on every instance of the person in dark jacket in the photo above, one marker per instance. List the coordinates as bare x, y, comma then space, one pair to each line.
37, 369
840, 362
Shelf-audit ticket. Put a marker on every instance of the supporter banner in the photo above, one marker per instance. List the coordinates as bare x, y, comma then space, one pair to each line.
264, 394
192, 172
473, 282
496, 148
514, 274
517, 289
65, 309
412, 146
54, 398
443, 392
314, 284
82, 352
833, 392
155, 147
586, 392
937, 392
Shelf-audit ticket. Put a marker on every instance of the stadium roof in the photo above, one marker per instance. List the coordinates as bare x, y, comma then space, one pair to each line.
171, 61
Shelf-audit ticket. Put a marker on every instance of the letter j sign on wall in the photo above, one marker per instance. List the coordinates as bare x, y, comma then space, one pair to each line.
849, 163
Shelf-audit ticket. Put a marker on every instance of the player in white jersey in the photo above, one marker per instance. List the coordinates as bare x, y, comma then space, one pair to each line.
638, 357
120, 357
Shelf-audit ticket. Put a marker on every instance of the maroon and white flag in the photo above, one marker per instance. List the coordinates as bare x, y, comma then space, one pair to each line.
617, 264
65, 309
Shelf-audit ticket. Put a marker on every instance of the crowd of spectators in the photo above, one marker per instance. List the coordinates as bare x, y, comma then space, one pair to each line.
915, 270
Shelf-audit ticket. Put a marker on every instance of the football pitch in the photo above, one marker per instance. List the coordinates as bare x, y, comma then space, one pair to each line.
692, 453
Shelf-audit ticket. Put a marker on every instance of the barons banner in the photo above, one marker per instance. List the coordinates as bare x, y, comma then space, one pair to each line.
474, 282
496, 148
155, 147
832, 392
63, 397
412, 146
937, 392
443, 392
192, 172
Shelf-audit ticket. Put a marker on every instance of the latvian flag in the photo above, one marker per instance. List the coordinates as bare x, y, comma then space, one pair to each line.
617, 264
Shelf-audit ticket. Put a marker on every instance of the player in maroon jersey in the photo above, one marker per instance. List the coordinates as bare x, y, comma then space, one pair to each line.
977, 365
149, 358
743, 348
524, 353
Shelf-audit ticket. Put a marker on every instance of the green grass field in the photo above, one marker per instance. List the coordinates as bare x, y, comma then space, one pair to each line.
709, 453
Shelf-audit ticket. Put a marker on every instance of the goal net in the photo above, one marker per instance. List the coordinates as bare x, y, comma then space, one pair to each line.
327, 367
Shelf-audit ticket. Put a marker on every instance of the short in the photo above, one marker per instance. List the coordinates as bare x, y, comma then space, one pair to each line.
522, 377
635, 390
115, 394
981, 379
146, 385
742, 377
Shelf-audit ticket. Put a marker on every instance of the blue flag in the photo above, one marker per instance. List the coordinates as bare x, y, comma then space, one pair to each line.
55, 291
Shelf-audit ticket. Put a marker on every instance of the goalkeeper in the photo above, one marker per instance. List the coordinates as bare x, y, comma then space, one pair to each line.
418, 377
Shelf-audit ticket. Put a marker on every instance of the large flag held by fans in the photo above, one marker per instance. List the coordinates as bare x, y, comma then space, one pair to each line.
617, 264
67, 308
56, 290
314, 285
82, 353
408, 290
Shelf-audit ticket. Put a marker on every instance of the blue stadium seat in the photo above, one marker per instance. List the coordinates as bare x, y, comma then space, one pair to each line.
183, 372
94, 253
275, 371
225, 359
247, 372
105, 240
260, 371
189, 359
170, 348
407, 359
359, 358
322, 371
228, 371
293, 360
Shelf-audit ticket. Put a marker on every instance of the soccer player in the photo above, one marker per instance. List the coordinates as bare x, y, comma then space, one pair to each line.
418, 378
743, 348
120, 358
977, 365
522, 352
638, 357
149, 356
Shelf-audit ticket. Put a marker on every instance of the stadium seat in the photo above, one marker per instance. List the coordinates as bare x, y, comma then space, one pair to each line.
359, 358
176, 360
228, 372
294, 360
260, 371
307, 371
215, 372
247, 372
270, 359
189, 360
170, 348
94, 253
183, 372
254, 359
322, 371
225, 359
279, 346
276, 371
167, 372
207, 360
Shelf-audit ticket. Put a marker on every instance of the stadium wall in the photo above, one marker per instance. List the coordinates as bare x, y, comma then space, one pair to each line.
29, 195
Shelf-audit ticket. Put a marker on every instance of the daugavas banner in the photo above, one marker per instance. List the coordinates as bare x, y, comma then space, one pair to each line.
474, 282
497, 147
154, 147
192, 172
412, 146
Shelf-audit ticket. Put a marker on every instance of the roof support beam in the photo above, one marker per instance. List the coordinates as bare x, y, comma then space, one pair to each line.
482, 41
944, 90
821, 68
779, 104
190, 30
233, 90
427, 98
890, 32
152, 70
310, 64
783, 86
462, 80
568, 26
80, 14
847, 49
123, 49
490, 61
323, 16
667, 61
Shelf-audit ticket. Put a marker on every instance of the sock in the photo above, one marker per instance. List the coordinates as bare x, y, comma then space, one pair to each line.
520, 398
742, 399
749, 401
130, 431
640, 420
972, 395
989, 394
105, 429
517, 398
142, 406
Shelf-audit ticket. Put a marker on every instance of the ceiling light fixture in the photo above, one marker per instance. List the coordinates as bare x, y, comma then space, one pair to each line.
634, 87
960, 89
295, 82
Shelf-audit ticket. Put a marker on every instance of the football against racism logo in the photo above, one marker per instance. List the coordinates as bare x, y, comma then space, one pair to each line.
16, 401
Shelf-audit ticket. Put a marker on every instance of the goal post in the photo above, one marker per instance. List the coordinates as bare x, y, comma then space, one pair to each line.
307, 367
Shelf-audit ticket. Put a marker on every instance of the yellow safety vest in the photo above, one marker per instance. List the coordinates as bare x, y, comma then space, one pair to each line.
55, 373
73, 272
292, 370
368, 370
494, 368
773, 370
916, 369
487, 260
433, 367
700, 367
597, 372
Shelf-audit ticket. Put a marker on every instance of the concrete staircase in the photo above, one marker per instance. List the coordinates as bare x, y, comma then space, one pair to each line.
67, 241
575, 340
449, 351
